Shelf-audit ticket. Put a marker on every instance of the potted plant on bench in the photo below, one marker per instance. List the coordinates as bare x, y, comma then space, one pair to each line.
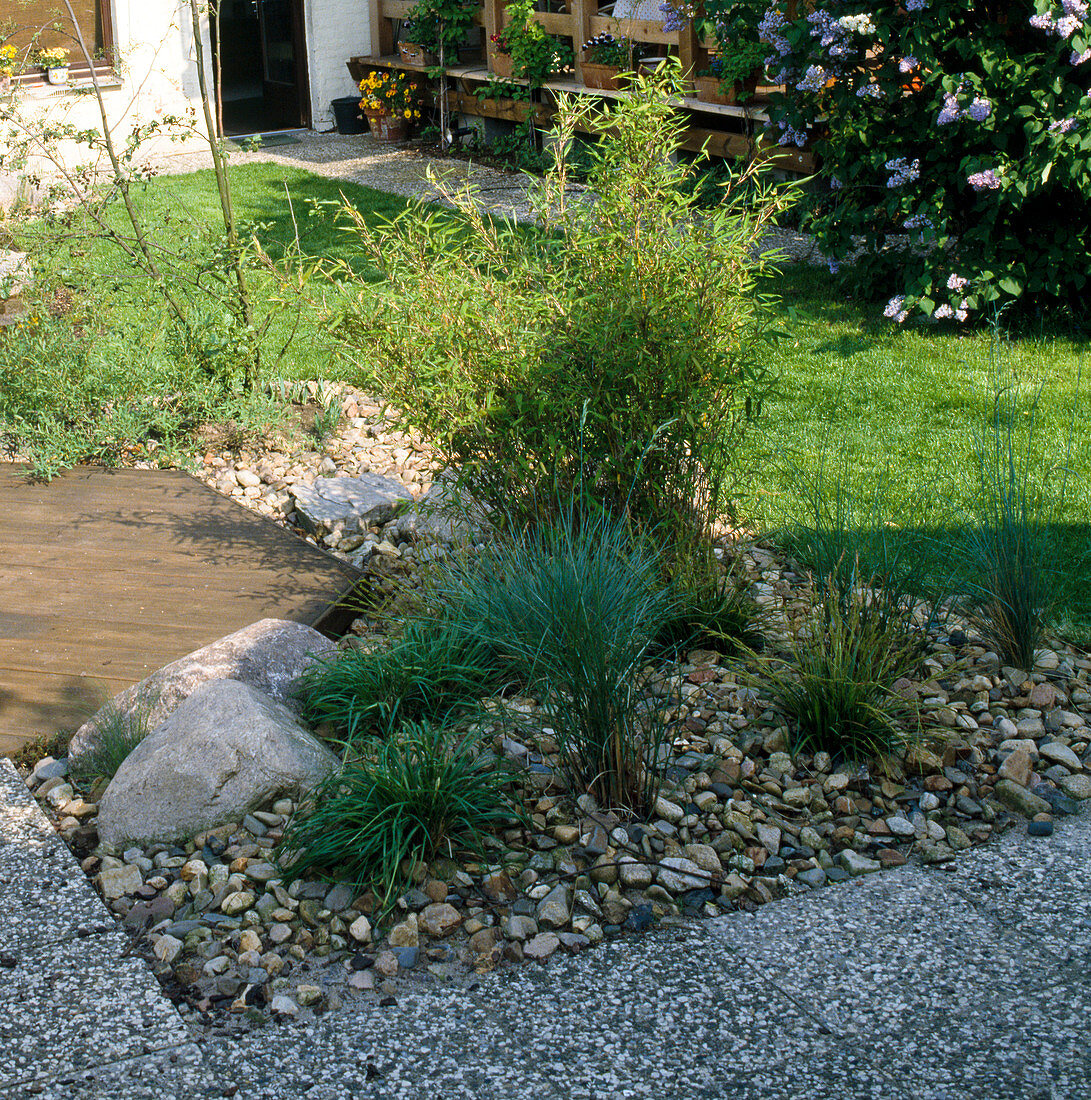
605, 57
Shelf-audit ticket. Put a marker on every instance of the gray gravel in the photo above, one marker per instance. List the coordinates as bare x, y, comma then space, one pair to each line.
926, 984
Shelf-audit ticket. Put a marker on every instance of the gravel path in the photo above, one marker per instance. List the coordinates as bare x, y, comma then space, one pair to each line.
970, 981
405, 170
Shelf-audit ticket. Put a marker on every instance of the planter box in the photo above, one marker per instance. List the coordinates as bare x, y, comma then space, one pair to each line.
709, 90
601, 76
412, 54
500, 64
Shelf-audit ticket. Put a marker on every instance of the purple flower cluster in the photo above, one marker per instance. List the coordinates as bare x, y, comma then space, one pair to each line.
835, 183
677, 15
908, 63
918, 221
1063, 125
869, 91
789, 135
1079, 58
979, 109
916, 5
814, 79
987, 180
951, 111
1075, 12
772, 24
902, 171
895, 308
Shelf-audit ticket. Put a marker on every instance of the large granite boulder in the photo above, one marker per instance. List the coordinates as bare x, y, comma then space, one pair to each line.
270, 655
226, 750
348, 504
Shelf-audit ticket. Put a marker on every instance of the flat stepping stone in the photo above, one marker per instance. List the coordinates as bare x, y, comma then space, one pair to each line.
348, 503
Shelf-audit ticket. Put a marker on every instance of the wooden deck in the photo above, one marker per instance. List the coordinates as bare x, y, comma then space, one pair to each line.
106, 575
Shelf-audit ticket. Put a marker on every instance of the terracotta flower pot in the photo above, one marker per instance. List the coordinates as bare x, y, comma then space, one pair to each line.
601, 76
387, 128
710, 90
500, 64
412, 54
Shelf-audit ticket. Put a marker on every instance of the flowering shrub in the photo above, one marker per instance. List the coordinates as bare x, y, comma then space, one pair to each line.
389, 93
961, 123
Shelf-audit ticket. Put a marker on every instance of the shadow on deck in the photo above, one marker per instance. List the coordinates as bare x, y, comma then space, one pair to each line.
106, 575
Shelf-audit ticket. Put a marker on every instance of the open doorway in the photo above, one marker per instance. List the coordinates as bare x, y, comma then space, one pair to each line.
263, 66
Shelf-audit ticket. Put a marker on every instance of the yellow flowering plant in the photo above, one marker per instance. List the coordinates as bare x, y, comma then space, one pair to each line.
8, 54
54, 57
390, 93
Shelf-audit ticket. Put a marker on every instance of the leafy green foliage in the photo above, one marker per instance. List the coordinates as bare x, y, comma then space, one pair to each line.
432, 671
836, 684
616, 353
573, 609
535, 55
425, 792
960, 123
440, 26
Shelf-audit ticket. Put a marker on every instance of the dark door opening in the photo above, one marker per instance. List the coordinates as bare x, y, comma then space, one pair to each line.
263, 66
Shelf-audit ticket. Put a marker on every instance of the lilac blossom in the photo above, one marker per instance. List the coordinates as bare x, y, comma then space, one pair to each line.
943, 312
1079, 58
1043, 22
1063, 125
814, 80
902, 171
834, 266
916, 5
872, 91
1067, 26
987, 180
950, 111
918, 221
957, 282
835, 183
979, 109
907, 64
789, 135
895, 308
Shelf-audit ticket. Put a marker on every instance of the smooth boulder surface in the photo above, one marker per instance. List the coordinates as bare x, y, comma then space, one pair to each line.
226, 750
269, 655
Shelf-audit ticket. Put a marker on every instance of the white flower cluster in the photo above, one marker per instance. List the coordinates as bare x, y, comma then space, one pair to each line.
856, 24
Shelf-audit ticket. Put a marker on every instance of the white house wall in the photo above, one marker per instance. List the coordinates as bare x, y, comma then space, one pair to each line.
336, 30
156, 77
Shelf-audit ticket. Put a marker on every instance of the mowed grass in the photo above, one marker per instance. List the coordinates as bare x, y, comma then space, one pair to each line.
894, 419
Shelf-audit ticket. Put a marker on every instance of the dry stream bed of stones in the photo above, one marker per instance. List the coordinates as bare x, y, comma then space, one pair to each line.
738, 824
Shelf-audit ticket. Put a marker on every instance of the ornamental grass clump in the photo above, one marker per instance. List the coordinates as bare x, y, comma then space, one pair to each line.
1010, 552
573, 608
432, 670
426, 792
836, 682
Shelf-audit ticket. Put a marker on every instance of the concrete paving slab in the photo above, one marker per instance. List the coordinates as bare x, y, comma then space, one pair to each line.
72, 1005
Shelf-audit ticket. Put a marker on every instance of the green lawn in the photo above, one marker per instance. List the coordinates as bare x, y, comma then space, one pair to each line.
892, 415
895, 418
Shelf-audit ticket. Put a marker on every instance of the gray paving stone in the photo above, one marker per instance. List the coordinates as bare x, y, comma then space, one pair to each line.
75, 1005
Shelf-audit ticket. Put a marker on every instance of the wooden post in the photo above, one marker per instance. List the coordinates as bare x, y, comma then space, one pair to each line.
582, 12
494, 19
688, 51
382, 31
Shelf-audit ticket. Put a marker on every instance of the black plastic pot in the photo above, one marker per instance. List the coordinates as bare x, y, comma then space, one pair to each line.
348, 116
